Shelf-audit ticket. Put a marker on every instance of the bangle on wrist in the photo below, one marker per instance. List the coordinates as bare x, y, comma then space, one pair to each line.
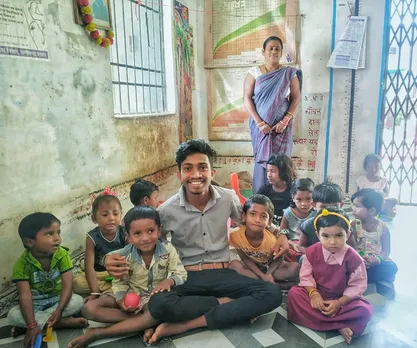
290, 113
283, 123
340, 303
311, 292
380, 259
95, 294
32, 325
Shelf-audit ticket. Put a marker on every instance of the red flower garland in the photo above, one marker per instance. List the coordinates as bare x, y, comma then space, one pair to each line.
87, 19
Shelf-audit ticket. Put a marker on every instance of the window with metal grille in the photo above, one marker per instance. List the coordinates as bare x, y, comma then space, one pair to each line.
138, 58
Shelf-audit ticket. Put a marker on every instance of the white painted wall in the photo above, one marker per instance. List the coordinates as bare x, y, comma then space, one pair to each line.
60, 141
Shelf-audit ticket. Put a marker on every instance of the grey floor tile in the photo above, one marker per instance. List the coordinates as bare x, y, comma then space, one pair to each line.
130, 342
379, 338
206, 339
268, 337
290, 333
241, 337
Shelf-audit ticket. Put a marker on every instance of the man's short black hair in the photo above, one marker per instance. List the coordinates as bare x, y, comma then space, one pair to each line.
195, 146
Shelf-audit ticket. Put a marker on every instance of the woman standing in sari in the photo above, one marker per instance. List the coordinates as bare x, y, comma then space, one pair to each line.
271, 95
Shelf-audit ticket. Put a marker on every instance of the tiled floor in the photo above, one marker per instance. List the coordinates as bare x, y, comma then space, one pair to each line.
393, 325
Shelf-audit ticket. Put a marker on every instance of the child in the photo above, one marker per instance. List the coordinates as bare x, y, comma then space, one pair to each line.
254, 244
373, 237
300, 210
106, 237
332, 281
144, 192
154, 266
324, 195
43, 275
280, 173
373, 180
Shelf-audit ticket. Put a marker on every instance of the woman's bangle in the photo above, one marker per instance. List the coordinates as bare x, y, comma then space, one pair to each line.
290, 113
283, 123
311, 292
32, 326
95, 294
259, 124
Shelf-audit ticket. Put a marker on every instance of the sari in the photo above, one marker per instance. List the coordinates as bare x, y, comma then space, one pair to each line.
271, 101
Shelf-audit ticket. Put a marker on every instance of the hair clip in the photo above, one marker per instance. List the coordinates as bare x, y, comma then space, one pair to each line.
325, 212
108, 191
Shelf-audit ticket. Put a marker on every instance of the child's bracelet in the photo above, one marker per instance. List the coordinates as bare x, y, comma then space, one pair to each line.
95, 294
379, 257
32, 326
311, 292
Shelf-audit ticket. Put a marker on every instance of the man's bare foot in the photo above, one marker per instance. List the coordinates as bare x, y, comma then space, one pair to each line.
17, 331
167, 329
71, 323
83, 340
347, 334
224, 299
148, 334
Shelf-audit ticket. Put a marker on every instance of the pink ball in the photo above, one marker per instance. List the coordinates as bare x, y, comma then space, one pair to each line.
132, 300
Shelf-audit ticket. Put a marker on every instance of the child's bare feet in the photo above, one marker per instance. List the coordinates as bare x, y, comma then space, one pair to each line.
347, 334
167, 329
83, 340
17, 331
71, 323
148, 334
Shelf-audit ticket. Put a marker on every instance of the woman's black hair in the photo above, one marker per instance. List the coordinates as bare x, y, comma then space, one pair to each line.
332, 220
272, 38
140, 213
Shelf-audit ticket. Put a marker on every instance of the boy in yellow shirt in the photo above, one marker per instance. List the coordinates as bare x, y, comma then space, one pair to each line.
254, 244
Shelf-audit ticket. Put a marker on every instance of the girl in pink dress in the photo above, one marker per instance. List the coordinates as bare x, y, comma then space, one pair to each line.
332, 281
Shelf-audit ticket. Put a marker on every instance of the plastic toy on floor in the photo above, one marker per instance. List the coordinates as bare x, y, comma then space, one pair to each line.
48, 337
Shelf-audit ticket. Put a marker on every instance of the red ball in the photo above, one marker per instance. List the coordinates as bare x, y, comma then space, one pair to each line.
83, 2
132, 300
87, 19
94, 34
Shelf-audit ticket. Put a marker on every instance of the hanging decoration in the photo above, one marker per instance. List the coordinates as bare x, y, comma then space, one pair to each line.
88, 20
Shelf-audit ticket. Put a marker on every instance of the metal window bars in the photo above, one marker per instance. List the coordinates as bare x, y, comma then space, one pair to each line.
137, 58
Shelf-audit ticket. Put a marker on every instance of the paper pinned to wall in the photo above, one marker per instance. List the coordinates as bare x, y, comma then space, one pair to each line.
22, 29
350, 50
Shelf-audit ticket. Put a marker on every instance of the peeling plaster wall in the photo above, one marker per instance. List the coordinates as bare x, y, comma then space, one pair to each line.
60, 141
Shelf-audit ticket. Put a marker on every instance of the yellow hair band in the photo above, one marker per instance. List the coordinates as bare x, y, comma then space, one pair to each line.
325, 212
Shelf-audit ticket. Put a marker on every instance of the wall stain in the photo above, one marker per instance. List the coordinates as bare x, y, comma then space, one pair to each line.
53, 11
83, 80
